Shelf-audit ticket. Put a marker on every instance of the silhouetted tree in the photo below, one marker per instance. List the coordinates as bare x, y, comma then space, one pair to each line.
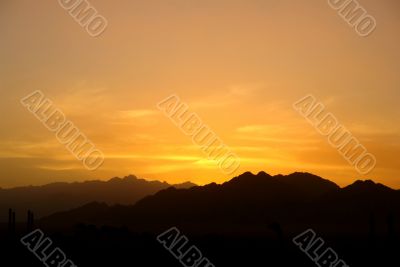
11, 222
29, 224
277, 229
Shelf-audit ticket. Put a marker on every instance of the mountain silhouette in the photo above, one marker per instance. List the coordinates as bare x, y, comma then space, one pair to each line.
247, 203
248, 220
47, 199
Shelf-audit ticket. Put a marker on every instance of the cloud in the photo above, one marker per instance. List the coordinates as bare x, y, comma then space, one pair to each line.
136, 113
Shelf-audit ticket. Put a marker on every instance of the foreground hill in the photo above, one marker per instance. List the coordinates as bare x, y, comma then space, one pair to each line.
248, 204
248, 221
47, 199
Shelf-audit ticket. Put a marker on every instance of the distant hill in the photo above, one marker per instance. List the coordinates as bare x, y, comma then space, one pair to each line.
248, 220
248, 204
55, 197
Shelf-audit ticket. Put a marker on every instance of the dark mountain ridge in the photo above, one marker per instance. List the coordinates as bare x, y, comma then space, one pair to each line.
47, 199
246, 204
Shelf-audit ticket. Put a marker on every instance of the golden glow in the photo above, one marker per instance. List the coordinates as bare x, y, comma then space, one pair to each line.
238, 64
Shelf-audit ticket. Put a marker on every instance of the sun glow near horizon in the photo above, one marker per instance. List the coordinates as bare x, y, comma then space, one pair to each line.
240, 76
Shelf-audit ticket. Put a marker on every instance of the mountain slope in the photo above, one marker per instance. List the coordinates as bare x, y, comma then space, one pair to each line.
47, 199
248, 203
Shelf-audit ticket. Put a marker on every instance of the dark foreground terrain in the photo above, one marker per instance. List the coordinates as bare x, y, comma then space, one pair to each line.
248, 221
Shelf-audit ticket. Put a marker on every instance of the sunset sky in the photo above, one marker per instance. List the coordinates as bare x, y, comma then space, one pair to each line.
238, 64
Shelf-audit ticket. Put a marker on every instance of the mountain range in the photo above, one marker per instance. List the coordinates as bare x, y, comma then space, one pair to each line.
249, 204
247, 221
47, 199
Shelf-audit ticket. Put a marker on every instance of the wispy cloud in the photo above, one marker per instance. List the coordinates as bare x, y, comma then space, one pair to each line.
136, 113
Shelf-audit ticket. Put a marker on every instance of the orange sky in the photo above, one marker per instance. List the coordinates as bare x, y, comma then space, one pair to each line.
239, 65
